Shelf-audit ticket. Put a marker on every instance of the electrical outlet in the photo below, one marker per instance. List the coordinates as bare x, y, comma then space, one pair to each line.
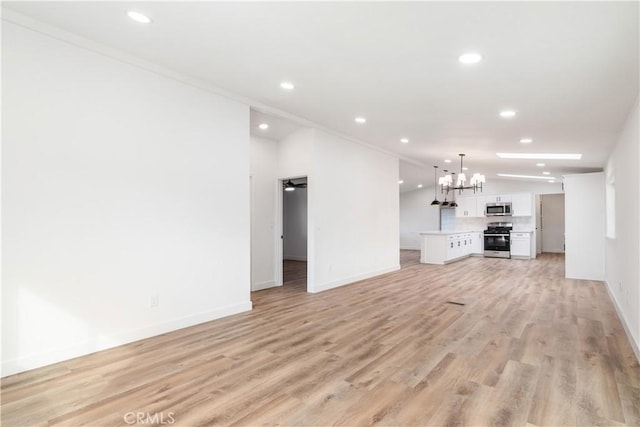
154, 300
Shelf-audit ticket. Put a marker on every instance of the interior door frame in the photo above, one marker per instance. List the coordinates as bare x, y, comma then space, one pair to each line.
279, 235
542, 219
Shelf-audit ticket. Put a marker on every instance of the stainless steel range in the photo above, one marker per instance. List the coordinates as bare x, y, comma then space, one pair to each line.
497, 240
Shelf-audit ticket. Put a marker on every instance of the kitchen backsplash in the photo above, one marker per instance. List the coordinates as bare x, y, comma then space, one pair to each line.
447, 219
520, 223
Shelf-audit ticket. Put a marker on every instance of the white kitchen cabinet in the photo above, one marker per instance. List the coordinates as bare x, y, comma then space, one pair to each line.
500, 198
452, 248
462, 246
476, 243
442, 247
522, 204
481, 204
467, 207
520, 245
466, 242
458, 248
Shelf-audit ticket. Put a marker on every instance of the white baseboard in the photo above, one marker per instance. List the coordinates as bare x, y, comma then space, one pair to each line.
634, 345
348, 280
83, 348
264, 285
294, 258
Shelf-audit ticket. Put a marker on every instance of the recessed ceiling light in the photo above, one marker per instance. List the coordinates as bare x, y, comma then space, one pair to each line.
508, 175
287, 85
404, 140
470, 58
447, 160
540, 165
546, 173
465, 168
551, 181
507, 114
539, 156
263, 126
419, 185
361, 120
401, 182
139, 17
526, 140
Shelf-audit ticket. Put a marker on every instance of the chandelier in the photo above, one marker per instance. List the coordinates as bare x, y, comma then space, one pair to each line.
475, 183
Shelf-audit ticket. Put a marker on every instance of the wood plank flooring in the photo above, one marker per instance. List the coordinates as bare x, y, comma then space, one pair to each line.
527, 348
294, 273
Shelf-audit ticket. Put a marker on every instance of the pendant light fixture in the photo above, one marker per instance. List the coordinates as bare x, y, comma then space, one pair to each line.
453, 203
435, 202
444, 179
475, 183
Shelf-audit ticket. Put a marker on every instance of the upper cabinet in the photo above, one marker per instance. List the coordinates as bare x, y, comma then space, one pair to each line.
521, 204
500, 198
468, 207
474, 206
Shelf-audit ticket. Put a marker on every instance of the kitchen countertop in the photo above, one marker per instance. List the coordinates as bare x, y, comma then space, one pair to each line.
447, 233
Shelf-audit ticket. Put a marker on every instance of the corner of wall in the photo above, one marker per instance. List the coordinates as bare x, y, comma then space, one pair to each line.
351, 280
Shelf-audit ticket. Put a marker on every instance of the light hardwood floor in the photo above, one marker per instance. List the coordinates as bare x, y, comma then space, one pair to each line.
528, 347
294, 273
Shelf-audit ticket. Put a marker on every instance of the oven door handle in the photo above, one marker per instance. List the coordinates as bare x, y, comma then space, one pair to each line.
496, 235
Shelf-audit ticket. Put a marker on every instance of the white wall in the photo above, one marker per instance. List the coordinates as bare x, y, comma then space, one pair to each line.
294, 223
295, 160
295, 154
417, 215
264, 185
584, 228
622, 271
115, 188
354, 204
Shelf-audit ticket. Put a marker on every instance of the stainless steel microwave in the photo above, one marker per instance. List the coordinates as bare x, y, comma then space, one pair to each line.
498, 209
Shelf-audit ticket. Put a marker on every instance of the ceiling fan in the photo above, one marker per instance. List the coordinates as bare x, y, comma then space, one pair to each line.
290, 185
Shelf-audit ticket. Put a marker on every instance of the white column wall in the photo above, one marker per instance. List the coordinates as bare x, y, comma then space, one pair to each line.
584, 227
264, 184
354, 205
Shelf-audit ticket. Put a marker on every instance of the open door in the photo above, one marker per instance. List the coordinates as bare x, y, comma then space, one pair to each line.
293, 218
552, 212
538, 205
294, 233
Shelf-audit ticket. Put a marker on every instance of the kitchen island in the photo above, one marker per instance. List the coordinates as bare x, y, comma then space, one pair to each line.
443, 247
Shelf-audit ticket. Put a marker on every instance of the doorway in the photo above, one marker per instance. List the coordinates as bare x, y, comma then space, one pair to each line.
294, 233
552, 222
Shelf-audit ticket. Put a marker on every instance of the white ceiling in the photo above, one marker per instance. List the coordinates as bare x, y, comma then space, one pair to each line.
279, 127
570, 69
